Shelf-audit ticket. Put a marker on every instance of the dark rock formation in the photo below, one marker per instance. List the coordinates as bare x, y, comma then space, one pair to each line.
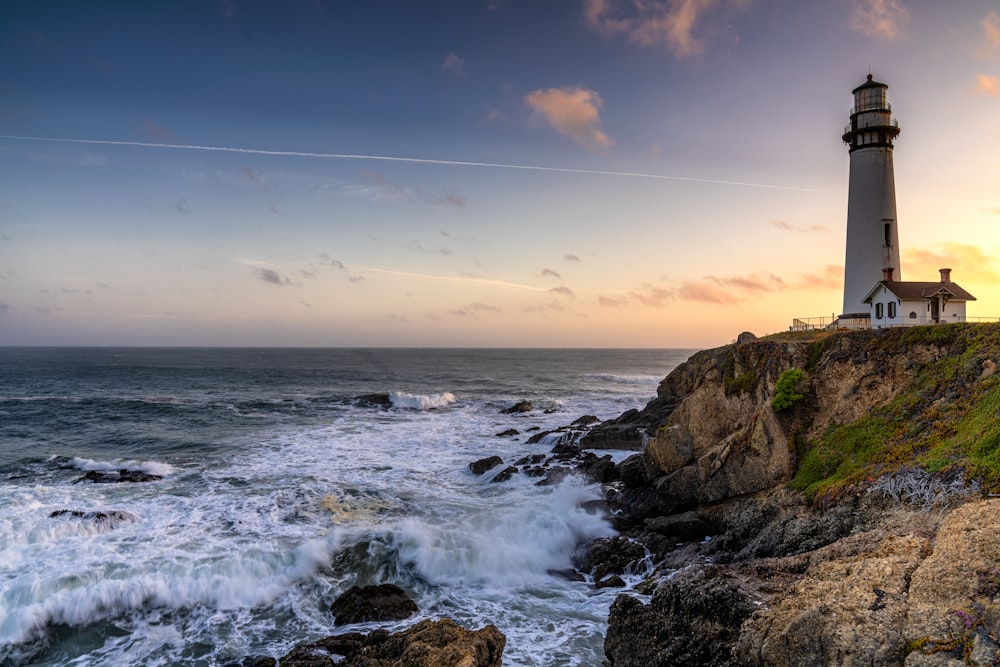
509, 432
610, 555
520, 406
691, 620
429, 643
110, 518
384, 602
374, 401
504, 474
485, 465
123, 475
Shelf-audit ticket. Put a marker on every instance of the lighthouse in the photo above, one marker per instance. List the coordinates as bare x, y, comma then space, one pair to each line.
872, 230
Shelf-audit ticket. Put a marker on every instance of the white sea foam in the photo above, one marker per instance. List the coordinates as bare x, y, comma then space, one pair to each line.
421, 402
651, 380
148, 467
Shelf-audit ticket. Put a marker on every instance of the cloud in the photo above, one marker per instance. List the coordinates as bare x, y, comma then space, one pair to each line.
654, 22
182, 206
573, 112
454, 65
356, 279
473, 310
879, 19
337, 264
397, 318
565, 291
572, 258
379, 188
306, 304
786, 226
610, 302
415, 245
462, 239
247, 172
969, 263
550, 272
159, 133
832, 277
991, 29
271, 276
989, 85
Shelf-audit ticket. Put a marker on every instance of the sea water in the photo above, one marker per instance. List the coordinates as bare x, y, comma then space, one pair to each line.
279, 489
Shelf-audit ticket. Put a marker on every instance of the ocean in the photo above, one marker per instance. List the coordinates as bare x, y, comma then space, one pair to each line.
278, 489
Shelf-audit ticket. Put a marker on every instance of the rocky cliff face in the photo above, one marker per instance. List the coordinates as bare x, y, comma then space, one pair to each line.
891, 557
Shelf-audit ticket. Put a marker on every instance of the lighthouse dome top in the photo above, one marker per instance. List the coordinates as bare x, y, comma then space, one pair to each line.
870, 83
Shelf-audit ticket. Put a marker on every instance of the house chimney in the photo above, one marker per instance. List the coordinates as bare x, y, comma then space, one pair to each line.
946, 275
887, 274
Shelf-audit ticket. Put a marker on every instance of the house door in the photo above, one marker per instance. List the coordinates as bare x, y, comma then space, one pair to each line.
935, 311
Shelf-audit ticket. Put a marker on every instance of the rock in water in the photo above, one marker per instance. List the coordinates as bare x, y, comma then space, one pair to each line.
520, 406
485, 465
429, 643
385, 602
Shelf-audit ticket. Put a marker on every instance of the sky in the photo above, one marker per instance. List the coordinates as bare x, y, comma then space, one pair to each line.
474, 173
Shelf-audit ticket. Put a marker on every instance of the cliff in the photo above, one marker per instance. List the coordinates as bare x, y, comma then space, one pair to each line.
824, 499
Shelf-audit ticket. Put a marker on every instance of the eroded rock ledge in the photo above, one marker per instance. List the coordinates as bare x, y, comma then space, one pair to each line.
752, 572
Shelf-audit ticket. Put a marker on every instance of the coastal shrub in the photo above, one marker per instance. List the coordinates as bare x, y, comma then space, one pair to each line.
740, 384
786, 389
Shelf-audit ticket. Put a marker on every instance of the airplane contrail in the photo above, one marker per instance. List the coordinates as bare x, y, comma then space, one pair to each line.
417, 160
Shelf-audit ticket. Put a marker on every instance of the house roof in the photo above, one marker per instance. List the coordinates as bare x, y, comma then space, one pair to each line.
921, 290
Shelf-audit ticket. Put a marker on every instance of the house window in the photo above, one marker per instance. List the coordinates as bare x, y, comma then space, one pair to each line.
913, 314
878, 311
892, 310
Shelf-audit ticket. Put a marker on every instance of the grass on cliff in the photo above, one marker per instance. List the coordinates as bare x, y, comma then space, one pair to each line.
947, 418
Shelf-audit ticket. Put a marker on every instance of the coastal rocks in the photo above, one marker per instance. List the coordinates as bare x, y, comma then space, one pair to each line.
114, 477
385, 602
692, 619
441, 643
519, 407
508, 433
485, 465
954, 596
382, 401
109, 519
610, 555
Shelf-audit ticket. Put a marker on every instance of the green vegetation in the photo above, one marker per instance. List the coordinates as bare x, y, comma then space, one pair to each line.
947, 418
740, 384
787, 389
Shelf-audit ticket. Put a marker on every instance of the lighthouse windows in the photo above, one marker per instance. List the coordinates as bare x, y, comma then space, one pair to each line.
887, 229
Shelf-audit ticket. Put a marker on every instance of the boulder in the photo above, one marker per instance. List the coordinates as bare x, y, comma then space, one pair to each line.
672, 448
692, 619
123, 475
520, 406
485, 465
609, 555
504, 474
509, 432
429, 643
384, 602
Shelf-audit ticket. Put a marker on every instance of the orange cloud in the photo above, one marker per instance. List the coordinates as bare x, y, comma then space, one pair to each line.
991, 27
879, 19
968, 262
832, 277
573, 112
990, 85
792, 227
670, 22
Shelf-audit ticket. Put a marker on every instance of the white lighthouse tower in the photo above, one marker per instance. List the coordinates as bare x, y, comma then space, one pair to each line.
872, 234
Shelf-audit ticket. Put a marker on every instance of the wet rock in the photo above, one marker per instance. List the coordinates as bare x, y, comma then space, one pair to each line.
602, 470
253, 661
690, 620
111, 517
532, 459
520, 406
429, 643
614, 581
686, 526
123, 475
538, 437
634, 471
384, 602
504, 475
374, 401
585, 420
568, 575
509, 432
609, 555
554, 476
484, 465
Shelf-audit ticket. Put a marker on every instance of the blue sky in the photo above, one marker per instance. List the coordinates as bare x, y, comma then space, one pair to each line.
687, 180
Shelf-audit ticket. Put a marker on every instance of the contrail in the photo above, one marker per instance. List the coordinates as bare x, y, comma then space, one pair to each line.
416, 160
457, 279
